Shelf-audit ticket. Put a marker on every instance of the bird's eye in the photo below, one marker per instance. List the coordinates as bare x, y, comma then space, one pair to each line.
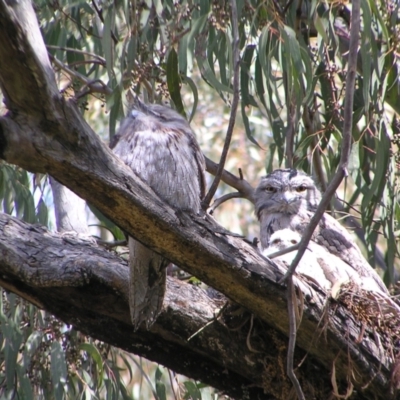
157, 115
162, 117
270, 189
301, 188
276, 241
293, 241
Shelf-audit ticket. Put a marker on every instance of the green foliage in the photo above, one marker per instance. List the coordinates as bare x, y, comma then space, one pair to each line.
292, 77
23, 195
41, 357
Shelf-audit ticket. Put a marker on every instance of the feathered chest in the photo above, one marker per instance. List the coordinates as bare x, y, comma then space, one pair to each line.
273, 222
167, 162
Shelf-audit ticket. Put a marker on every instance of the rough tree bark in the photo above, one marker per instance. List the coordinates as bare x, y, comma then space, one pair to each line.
87, 286
84, 285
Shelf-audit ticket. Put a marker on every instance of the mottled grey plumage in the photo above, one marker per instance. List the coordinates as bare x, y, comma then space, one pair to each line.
308, 266
160, 147
287, 198
317, 263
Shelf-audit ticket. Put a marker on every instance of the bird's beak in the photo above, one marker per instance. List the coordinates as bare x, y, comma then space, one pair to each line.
288, 197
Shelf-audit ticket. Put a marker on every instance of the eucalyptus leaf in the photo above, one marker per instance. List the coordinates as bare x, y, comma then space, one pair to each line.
58, 370
174, 81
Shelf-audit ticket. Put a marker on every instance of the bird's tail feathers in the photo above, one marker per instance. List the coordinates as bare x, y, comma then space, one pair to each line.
147, 283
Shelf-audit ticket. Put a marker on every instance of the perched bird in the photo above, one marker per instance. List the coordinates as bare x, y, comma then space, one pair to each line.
287, 199
308, 266
317, 263
161, 148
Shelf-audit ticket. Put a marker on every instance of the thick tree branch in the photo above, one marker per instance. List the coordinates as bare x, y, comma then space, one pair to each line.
54, 138
21, 42
241, 185
87, 286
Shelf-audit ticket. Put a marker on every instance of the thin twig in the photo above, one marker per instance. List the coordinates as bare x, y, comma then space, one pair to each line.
290, 130
100, 15
234, 105
248, 337
71, 49
278, 8
289, 3
311, 129
143, 374
283, 251
226, 197
291, 298
94, 85
208, 323
241, 185
84, 62
346, 141
80, 26
91, 87
172, 383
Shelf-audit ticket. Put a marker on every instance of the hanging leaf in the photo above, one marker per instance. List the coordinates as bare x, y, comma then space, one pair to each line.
174, 81
58, 370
